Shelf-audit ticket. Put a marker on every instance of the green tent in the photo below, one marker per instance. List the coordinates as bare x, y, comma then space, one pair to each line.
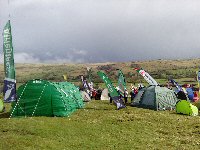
186, 108
44, 98
1, 106
155, 97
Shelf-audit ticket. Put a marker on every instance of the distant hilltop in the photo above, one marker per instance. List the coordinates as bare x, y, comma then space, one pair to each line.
159, 69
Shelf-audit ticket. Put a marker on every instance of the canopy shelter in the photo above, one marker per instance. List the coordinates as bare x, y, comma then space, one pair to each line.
186, 108
105, 95
1, 106
155, 97
45, 98
85, 96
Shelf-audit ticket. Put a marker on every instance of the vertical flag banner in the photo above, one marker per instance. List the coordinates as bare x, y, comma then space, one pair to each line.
65, 77
85, 83
179, 88
198, 79
146, 76
113, 92
9, 66
198, 76
86, 86
89, 74
121, 82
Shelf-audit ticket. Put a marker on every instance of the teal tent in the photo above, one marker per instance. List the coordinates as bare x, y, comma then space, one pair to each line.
186, 108
155, 97
45, 98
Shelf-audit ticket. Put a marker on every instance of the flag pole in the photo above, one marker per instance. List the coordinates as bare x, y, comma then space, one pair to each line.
198, 79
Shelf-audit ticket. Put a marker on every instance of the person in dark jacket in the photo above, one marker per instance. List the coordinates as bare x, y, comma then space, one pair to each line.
132, 95
110, 97
125, 96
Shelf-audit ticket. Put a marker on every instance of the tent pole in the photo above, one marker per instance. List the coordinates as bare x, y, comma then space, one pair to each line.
52, 104
39, 99
16, 105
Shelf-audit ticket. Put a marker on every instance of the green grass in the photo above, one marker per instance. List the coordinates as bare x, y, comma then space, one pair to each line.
100, 126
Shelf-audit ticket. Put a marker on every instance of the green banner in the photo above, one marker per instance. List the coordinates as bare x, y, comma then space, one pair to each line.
8, 52
9, 67
113, 92
121, 82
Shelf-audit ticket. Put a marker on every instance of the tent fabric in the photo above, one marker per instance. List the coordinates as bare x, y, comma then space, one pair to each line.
85, 96
45, 98
1, 106
137, 98
186, 108
104, 95
155, 97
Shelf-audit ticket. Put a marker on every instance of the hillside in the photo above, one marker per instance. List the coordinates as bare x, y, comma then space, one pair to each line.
185, 70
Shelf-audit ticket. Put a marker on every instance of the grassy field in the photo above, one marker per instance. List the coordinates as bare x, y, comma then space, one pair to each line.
100, 126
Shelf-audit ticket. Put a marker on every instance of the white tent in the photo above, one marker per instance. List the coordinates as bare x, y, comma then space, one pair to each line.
85, 96
104, 95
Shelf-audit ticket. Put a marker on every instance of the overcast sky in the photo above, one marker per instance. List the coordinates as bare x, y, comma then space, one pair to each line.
62, 31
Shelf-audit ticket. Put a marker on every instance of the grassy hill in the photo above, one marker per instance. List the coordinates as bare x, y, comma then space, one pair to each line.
100, 126
182, 70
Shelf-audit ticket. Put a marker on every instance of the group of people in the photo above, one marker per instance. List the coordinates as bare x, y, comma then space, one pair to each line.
186, 91
125, 94
134, 92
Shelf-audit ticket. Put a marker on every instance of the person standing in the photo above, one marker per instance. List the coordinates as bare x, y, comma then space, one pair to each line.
132, 94
125, 95
110, 98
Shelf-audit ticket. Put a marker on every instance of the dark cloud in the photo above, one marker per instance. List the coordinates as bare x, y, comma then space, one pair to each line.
106, 30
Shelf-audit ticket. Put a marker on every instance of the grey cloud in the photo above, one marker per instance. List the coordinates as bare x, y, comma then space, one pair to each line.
106, 30
23, 58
